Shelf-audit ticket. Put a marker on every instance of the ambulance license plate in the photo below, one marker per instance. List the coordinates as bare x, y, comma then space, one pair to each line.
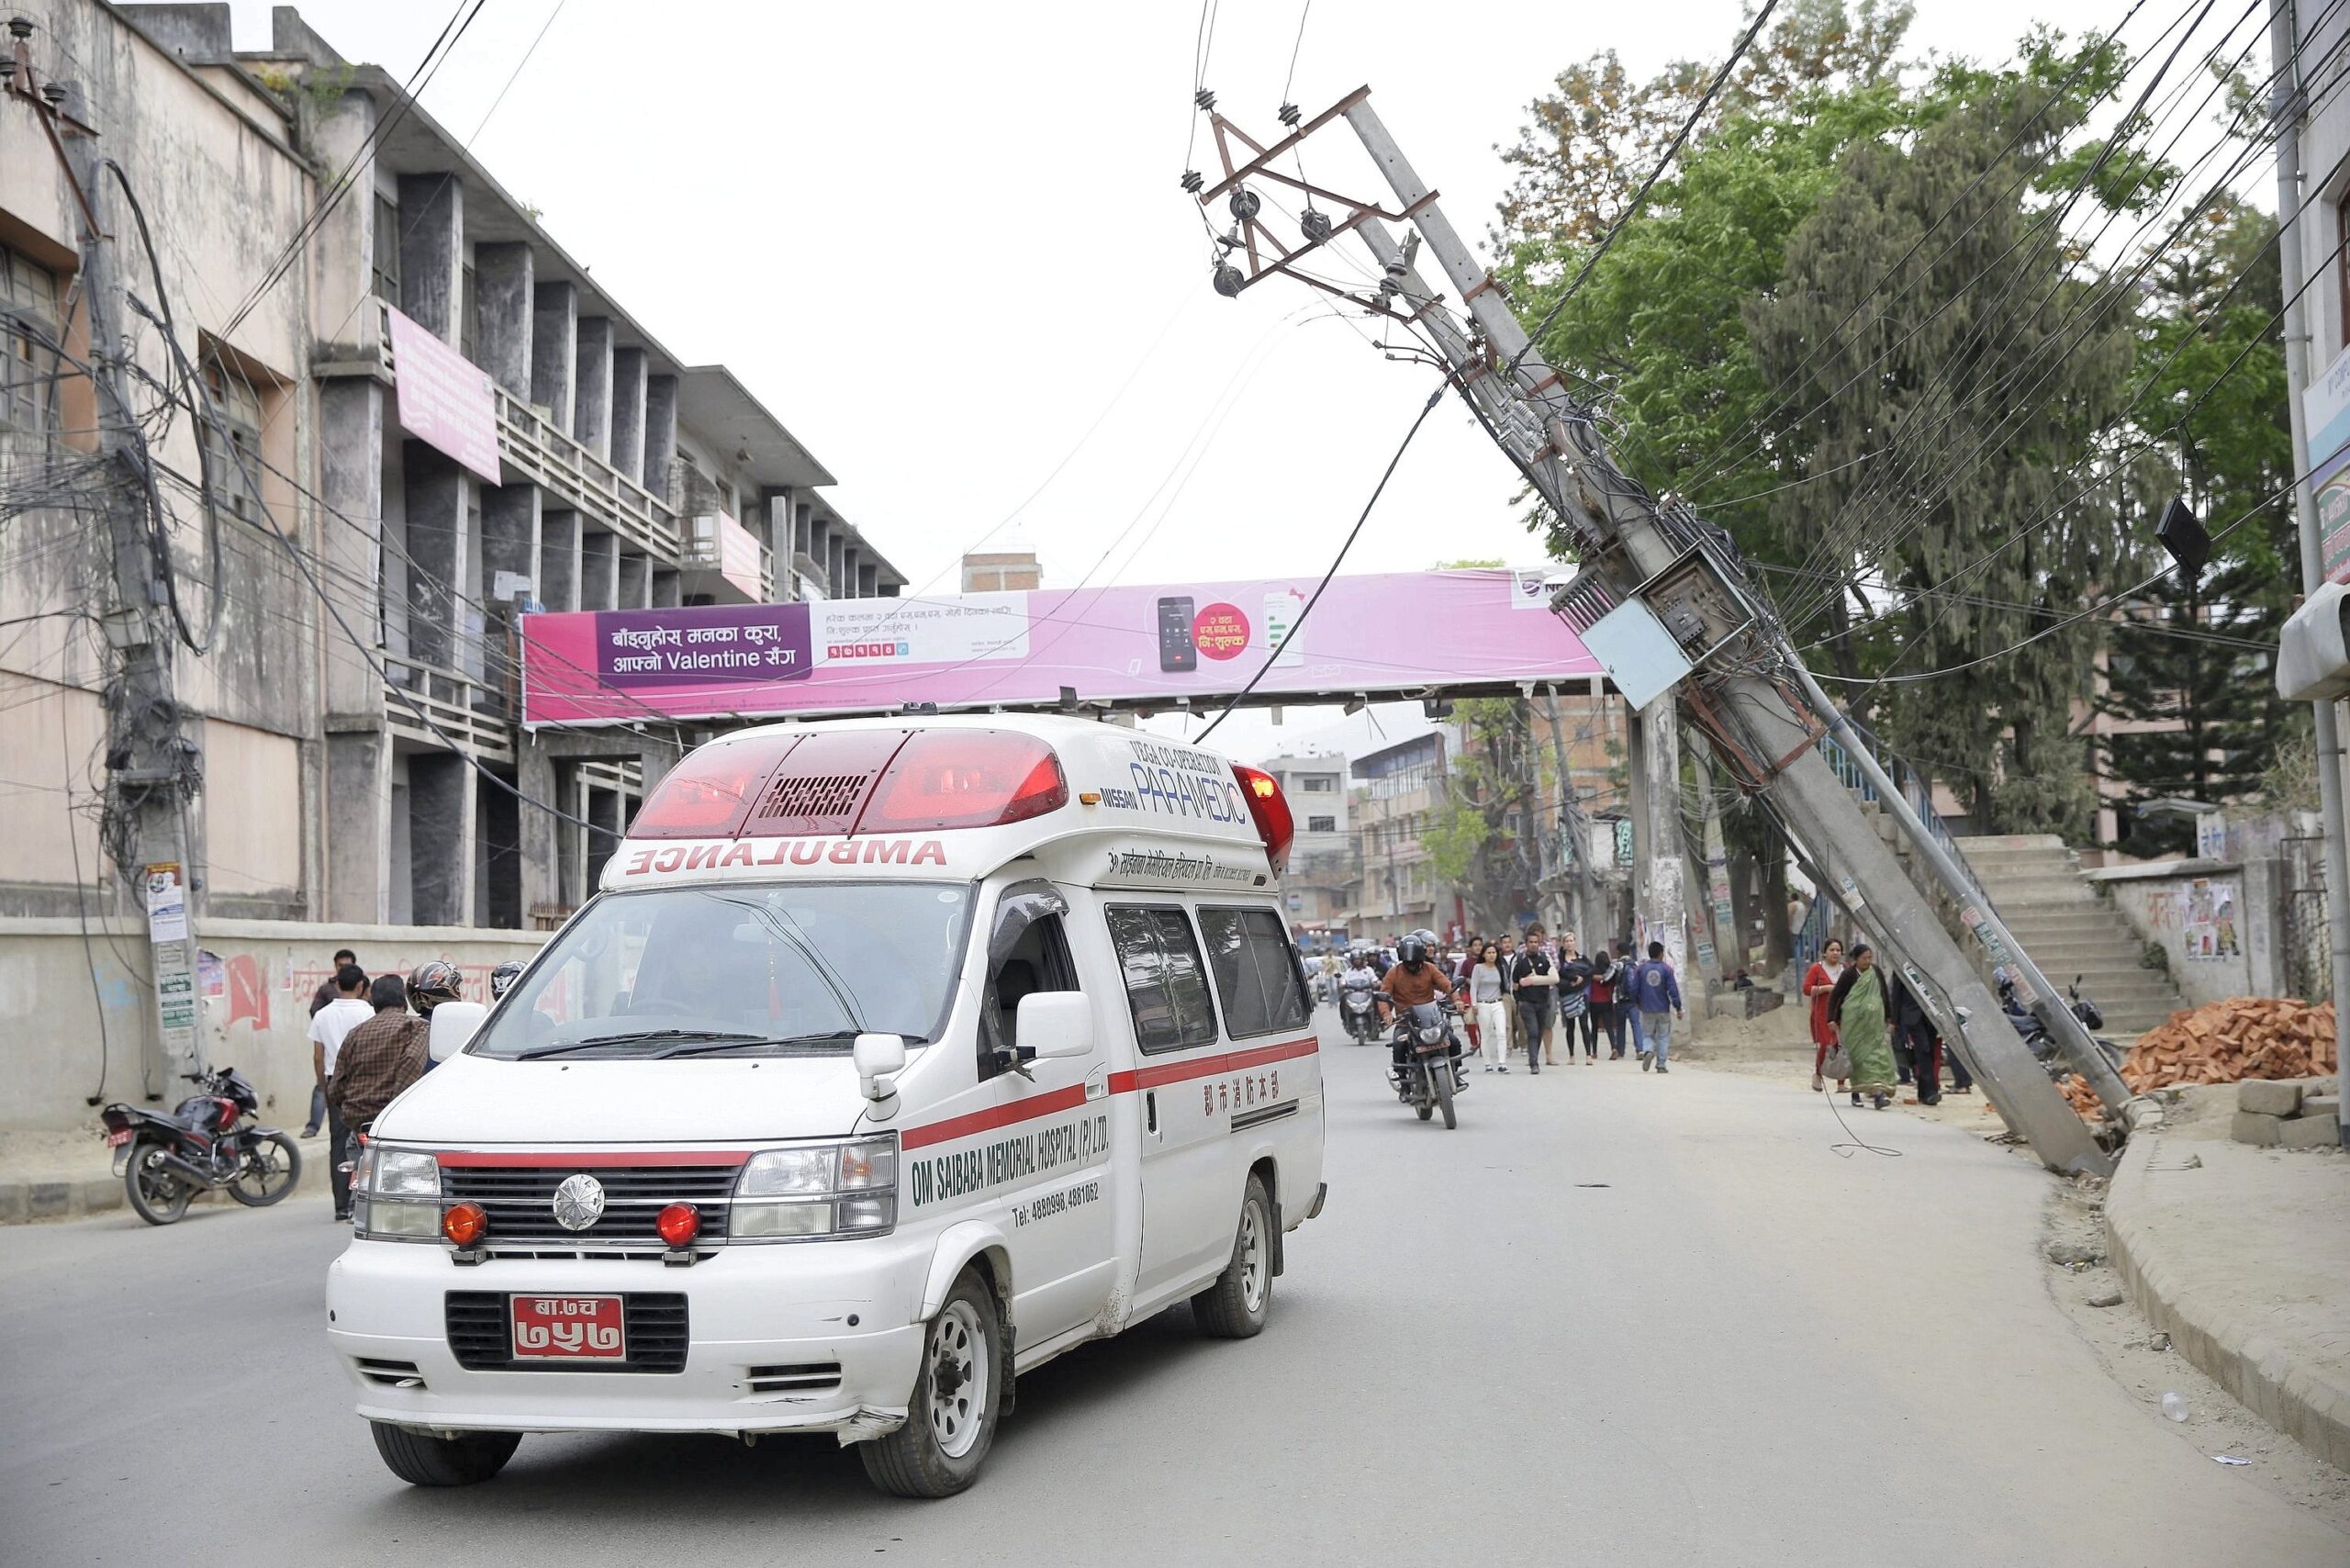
567, 1329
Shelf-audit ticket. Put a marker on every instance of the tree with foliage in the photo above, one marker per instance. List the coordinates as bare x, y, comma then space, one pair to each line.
2189, 660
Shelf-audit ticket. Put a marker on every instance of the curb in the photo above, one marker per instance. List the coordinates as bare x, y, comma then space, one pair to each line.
22, 1202
2312, 1410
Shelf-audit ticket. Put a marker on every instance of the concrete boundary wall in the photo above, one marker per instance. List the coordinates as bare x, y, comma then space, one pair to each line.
254, 982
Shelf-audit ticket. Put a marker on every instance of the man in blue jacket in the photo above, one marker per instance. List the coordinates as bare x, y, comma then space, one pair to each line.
1656, 992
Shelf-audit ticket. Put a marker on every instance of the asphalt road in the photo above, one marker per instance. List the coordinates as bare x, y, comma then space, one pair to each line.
1614, 1318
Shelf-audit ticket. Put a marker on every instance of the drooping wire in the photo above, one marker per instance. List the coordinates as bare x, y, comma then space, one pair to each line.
1346, 544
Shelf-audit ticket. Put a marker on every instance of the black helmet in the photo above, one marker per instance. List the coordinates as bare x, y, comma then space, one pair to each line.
502, 978
1412, 950
434, 982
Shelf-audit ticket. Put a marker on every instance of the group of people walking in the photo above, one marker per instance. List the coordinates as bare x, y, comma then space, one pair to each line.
1871, 1035
1528, 993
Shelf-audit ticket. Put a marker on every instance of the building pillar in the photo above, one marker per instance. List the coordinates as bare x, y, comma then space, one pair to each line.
869, 580
433, 252
440, 804
852, 559
351, 485
603, 831
509, 542
669, 588
559, 563
498, 872
636, 580
660, 433
358, 822
343, 275
539, 870
599, 570
554, 350
503, 314
835, 548
591, 398
436, 547
628, 414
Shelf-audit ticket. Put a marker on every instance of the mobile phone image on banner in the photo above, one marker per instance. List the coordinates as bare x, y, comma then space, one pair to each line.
1176, 649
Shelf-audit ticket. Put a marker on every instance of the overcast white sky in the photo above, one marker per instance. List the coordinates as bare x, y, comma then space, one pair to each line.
936, 239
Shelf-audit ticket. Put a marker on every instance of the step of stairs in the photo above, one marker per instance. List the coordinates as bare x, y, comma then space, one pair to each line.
2058, 918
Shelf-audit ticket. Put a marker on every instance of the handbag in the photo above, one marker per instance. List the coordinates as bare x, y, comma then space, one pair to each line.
1839, 1066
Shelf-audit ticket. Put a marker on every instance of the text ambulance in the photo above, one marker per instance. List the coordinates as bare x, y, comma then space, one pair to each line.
893, 1059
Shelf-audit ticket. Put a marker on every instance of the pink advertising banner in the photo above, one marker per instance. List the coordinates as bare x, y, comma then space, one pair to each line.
445, 399
1132, 645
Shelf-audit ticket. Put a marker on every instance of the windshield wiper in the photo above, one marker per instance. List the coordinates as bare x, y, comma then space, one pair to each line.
711, 1047
641, 1036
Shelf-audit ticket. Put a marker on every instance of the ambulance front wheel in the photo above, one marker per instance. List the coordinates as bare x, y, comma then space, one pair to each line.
958, 1394
1236, 1306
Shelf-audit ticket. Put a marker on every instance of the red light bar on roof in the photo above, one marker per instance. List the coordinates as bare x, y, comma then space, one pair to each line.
705, 795
1269, 807
946, 779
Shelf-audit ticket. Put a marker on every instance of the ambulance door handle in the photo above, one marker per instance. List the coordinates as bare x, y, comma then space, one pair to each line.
1150, 1108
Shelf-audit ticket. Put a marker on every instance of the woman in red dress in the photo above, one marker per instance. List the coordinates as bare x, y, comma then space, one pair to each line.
1819, 982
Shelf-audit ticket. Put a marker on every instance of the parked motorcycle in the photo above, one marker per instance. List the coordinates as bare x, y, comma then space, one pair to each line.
1361, 1016
1425, 1082
207, 1145
2035, 1036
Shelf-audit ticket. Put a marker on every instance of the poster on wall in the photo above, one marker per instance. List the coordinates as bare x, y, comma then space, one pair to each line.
1133, 644
2210, 929
445, 400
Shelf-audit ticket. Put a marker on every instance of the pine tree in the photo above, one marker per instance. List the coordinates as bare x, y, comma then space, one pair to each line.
2190, 664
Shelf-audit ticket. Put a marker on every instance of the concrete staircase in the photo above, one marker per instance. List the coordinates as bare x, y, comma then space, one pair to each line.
2068, 930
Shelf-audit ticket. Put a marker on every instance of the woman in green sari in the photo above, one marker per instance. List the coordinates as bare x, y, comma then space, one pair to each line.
1857, 1009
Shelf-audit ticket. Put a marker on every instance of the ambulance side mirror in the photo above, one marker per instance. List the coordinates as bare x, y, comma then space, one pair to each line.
453, 1024
878, 1057
1053, 1024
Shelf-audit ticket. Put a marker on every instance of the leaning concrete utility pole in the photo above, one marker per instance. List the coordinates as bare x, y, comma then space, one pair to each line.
149, 765
1660, 597
2287, 105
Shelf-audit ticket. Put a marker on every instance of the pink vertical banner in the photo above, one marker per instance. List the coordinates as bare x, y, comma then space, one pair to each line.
445, 399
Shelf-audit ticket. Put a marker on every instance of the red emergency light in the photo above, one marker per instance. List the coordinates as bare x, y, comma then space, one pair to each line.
942, 779
1269, 807
855, 781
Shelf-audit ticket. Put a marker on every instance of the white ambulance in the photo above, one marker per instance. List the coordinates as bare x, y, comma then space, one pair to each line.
893, 1059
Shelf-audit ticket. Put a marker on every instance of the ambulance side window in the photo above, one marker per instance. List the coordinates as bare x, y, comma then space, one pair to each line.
1166, 982
1256, 970
1039, 961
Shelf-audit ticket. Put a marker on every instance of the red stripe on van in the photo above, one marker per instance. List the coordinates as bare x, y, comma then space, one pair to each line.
593, 1157
1208, 1067
994, 1116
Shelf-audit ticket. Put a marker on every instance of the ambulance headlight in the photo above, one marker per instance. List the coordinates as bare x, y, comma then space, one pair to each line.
815, 1190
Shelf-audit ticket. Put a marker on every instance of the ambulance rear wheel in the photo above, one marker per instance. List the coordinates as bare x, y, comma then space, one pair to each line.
1234, 1306
958, 1394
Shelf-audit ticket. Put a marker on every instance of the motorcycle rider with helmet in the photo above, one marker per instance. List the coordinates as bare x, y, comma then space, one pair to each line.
1360, 980
1415, 981
502, 978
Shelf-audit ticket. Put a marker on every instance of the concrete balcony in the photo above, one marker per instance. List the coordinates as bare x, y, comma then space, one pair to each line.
529, 444
474, 714
724, 561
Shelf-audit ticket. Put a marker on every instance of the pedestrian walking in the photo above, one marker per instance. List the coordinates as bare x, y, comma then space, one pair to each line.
1485, 984
1599, 998
1575, 1001
1627, 1002
1514, 1040
330, 1027
1914, 1030
379, 1061
1657, 990
320, 1000
1534, 984
1857, 1011
1819, 983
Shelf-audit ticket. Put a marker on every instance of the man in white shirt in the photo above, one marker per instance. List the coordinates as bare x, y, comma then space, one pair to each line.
329, 1024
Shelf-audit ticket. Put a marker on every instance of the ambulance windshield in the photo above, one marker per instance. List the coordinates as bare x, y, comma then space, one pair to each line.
739, 971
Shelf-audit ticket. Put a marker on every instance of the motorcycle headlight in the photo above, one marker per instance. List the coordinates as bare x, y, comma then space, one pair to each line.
817, 1190
1431, 1036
